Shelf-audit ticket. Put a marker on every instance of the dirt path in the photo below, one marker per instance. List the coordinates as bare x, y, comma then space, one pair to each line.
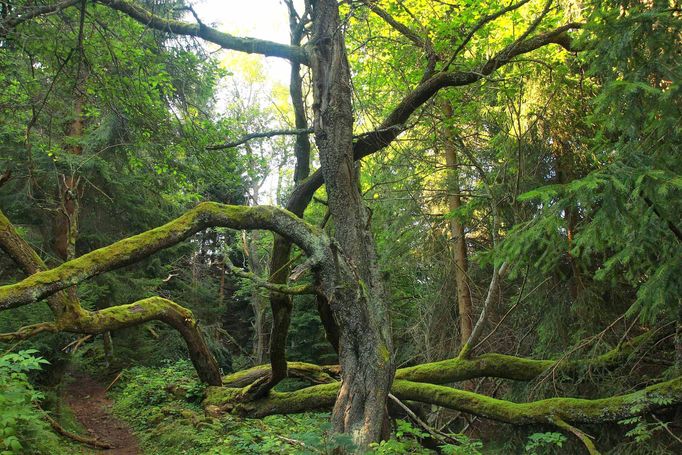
89, 403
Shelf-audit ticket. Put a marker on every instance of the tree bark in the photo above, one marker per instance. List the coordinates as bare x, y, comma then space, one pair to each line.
365, 345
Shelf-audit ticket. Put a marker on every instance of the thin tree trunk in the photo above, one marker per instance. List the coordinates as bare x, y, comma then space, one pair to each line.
258, 303
280, 304
464, 303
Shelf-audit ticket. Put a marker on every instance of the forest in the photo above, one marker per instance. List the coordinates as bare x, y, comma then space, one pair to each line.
340, 227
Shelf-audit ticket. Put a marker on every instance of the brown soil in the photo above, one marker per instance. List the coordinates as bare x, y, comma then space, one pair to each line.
87, 399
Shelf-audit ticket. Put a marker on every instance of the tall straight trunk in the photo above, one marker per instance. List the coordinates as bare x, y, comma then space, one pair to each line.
281, 304
359, 304
464, 303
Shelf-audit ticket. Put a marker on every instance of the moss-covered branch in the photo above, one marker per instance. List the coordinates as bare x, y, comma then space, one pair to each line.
523, 369
154, 308
575, 410
135, 248
314, 374
28, 260
300, 289
458, 369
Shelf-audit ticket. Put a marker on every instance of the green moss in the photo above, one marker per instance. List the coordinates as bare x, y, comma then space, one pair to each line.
569, 409
460, 369
384, 353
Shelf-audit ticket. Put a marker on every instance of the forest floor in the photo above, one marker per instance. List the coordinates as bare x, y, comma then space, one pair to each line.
89, 403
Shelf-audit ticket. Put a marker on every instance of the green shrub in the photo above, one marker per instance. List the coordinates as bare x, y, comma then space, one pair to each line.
23, 427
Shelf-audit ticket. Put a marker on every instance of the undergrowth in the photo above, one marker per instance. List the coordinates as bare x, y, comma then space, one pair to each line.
163, 405
24, 428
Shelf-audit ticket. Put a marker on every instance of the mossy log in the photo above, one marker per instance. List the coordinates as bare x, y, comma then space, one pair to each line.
575, 410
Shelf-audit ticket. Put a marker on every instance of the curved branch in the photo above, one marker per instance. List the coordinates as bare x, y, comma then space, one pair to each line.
224, 40
28, 331
388, 130
18, 249
135, 248
400, 27
153, 308
483, 21
28, 260
94, 442
585, 439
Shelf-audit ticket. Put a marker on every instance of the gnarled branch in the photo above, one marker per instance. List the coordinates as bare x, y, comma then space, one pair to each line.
224, 40
302, 289
135, 248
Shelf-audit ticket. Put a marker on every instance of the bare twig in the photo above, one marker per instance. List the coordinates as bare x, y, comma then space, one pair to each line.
263, 134
436, 434
76, 437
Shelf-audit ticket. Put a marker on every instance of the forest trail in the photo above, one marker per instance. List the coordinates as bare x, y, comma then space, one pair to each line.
88, 400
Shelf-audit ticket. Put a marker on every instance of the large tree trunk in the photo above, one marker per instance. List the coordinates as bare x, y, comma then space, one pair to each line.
281, 304
365, 347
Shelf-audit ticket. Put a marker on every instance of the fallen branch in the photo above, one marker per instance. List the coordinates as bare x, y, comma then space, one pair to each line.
94, 442
482, 319
436, 434
575, 410
28, 332
458, 369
